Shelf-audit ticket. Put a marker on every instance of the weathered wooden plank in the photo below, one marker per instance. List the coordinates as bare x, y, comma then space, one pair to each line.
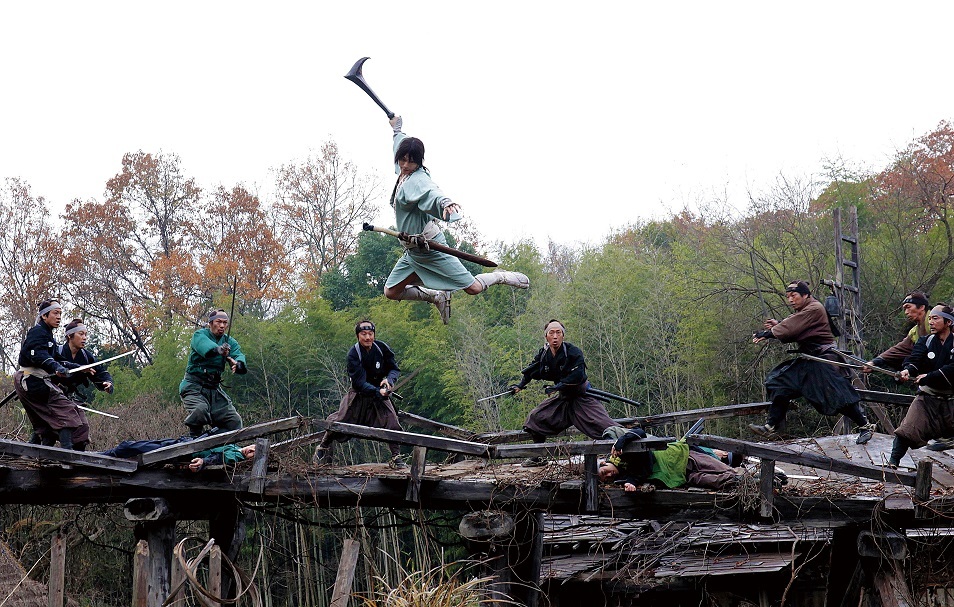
662, 419
452, 445
766, 488
259, 467
346, 569
787, 454
441, 428
57, 584
591, 487
173, 452
215, 571
68, 456
679, 417
418, 460
140, 589
576, 448
889, 398
298, 441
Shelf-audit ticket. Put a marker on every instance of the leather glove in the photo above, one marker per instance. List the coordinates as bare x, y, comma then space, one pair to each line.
240, 368
397, 123
514, 388
224, 349
766, 334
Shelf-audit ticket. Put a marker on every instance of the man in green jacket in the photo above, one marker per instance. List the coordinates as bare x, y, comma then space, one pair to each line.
201, 390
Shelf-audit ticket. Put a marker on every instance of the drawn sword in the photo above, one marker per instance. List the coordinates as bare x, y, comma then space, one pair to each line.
100, 362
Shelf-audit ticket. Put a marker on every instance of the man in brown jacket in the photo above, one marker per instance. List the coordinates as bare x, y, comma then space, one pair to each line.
822, 385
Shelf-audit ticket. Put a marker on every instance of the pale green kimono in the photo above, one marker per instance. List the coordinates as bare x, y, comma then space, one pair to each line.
416, 202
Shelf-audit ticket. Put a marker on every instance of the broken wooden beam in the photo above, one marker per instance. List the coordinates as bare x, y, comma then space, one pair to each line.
783, 453
418, 459
451, 445
766, 487
347, 564
68, 456
646, 421
441, 428
173, 452
259, 467
595, 447
888, 398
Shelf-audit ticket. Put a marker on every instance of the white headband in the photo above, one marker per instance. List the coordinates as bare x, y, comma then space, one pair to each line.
53, 306
76, 329
218, 315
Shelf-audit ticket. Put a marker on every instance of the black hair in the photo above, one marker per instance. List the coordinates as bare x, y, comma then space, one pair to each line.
357, 327
412, 148
917, 298
73, 323
552, 320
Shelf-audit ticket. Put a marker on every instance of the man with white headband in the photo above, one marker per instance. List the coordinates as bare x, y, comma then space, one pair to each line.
825, 388
931, 368
53, 415
78, 385
373, 370
210, 352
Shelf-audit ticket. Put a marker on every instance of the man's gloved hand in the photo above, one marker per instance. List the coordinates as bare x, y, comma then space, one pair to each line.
223, 350
397, 123
240, 368
765, 334
515, 388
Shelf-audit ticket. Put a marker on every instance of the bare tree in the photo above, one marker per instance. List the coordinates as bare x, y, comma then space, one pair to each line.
28, 259
320, 204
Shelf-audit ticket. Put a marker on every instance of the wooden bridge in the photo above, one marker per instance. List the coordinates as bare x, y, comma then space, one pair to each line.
833, 484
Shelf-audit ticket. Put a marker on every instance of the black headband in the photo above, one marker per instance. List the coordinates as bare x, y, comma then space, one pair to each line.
365, 325
798, 287
916, 300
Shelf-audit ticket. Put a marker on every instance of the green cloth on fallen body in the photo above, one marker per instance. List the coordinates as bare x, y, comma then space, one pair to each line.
669, 464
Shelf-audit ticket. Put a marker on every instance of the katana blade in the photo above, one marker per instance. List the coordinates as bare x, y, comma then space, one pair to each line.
894, 374
695, 427
486, 398
100, 362
621, 399
97, 412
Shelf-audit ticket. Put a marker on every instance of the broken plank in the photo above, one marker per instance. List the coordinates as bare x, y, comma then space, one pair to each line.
173, 452
692, 415
259, 467
786, 454
68, 456
889, 398
429, 424
451, 445
576, 448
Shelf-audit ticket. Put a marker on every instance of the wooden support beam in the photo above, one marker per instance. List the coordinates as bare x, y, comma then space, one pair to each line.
259, 467
409, 438
441, 428
140, 590
177, 598
57, 585
215, 571
147, 509
922, 488
173, 452
596, 447
68, 456
160, 539
767, 488
591, 484
345, 578
418, 460
784, 453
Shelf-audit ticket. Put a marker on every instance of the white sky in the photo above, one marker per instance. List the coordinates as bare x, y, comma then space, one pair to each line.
548, 120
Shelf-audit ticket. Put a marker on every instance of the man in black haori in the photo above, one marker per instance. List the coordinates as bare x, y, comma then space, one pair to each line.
53, 415
561, 362
825, 388
373, 371
931, 368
